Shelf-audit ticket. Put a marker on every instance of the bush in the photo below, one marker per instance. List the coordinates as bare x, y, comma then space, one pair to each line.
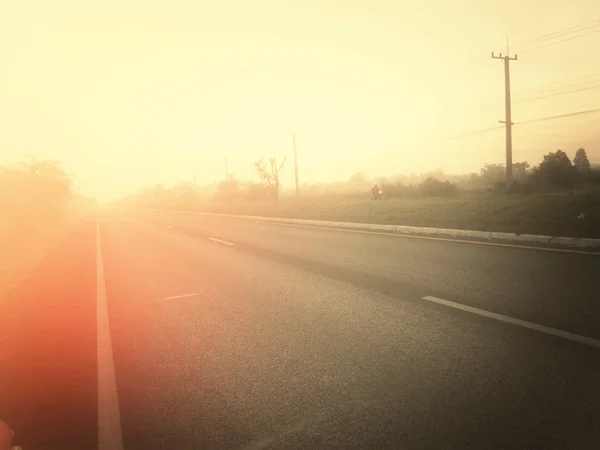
258, 192
556, 170
436, 188
34, 194
228, 190
591, 176
398, 190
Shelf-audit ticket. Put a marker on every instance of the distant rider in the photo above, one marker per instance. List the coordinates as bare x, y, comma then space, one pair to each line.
376, 191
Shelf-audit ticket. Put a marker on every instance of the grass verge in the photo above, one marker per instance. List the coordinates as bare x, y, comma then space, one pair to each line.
550, 213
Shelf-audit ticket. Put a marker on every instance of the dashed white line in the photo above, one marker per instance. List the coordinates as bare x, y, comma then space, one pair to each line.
221, 241
167, 225
174, 297
518, 322
110, 435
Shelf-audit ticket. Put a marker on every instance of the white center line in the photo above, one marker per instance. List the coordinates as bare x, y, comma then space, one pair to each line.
518, 322
220, 241
181, 296
110, 436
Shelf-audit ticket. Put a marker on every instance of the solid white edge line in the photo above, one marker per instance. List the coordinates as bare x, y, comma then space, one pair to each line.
474, 241
518, 322
221, 241
444, 238
110, 435
175, 297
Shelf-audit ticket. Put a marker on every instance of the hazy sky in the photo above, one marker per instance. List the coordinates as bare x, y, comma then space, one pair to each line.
128, 93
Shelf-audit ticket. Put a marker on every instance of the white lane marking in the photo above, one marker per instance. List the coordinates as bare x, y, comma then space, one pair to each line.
168, 226
220, 241
174, 297
518, 322
110, 435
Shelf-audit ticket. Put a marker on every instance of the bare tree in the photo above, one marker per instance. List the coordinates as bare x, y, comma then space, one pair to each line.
269, 174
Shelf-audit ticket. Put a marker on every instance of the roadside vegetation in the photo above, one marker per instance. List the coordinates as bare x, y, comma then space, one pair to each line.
37, 204
557, 197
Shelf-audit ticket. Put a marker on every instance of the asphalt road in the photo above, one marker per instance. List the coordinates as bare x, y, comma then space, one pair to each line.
229, 334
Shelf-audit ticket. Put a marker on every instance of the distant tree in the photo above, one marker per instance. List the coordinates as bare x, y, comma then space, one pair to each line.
556, 170
581, 161
34, 194
183, 194
357, 178
257, 191
433, 187
520, 171
397, 190
228, 189
269, 175
492, 173
438, 174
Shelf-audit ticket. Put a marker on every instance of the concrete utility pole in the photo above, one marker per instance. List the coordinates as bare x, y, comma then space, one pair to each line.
508, 119
296, 165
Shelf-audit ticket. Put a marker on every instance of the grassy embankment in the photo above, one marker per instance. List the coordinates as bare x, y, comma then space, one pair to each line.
549, 213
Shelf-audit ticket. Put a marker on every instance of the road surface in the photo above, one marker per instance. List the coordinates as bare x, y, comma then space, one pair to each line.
230, 334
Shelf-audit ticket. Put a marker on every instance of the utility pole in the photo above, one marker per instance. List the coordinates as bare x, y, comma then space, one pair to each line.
296, 165
508, 119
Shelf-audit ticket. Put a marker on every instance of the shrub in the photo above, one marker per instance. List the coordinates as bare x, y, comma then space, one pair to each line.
258, 192
556, 170
398, 190
432, 187
591, 176
228, 189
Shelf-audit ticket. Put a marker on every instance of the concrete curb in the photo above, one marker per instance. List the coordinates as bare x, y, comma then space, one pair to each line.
425, 231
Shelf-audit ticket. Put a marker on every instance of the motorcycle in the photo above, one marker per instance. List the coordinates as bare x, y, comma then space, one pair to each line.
377, 194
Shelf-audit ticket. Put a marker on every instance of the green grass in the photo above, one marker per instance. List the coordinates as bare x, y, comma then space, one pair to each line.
551, 213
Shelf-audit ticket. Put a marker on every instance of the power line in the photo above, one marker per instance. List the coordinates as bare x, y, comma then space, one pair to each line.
560, 116
559, 42
553, 94
571, 29
548, 86
557, 34
558, 93
527, 122
552, 84
563, 36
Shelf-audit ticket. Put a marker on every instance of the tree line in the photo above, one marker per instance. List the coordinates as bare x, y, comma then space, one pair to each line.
33, 195
555, 171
